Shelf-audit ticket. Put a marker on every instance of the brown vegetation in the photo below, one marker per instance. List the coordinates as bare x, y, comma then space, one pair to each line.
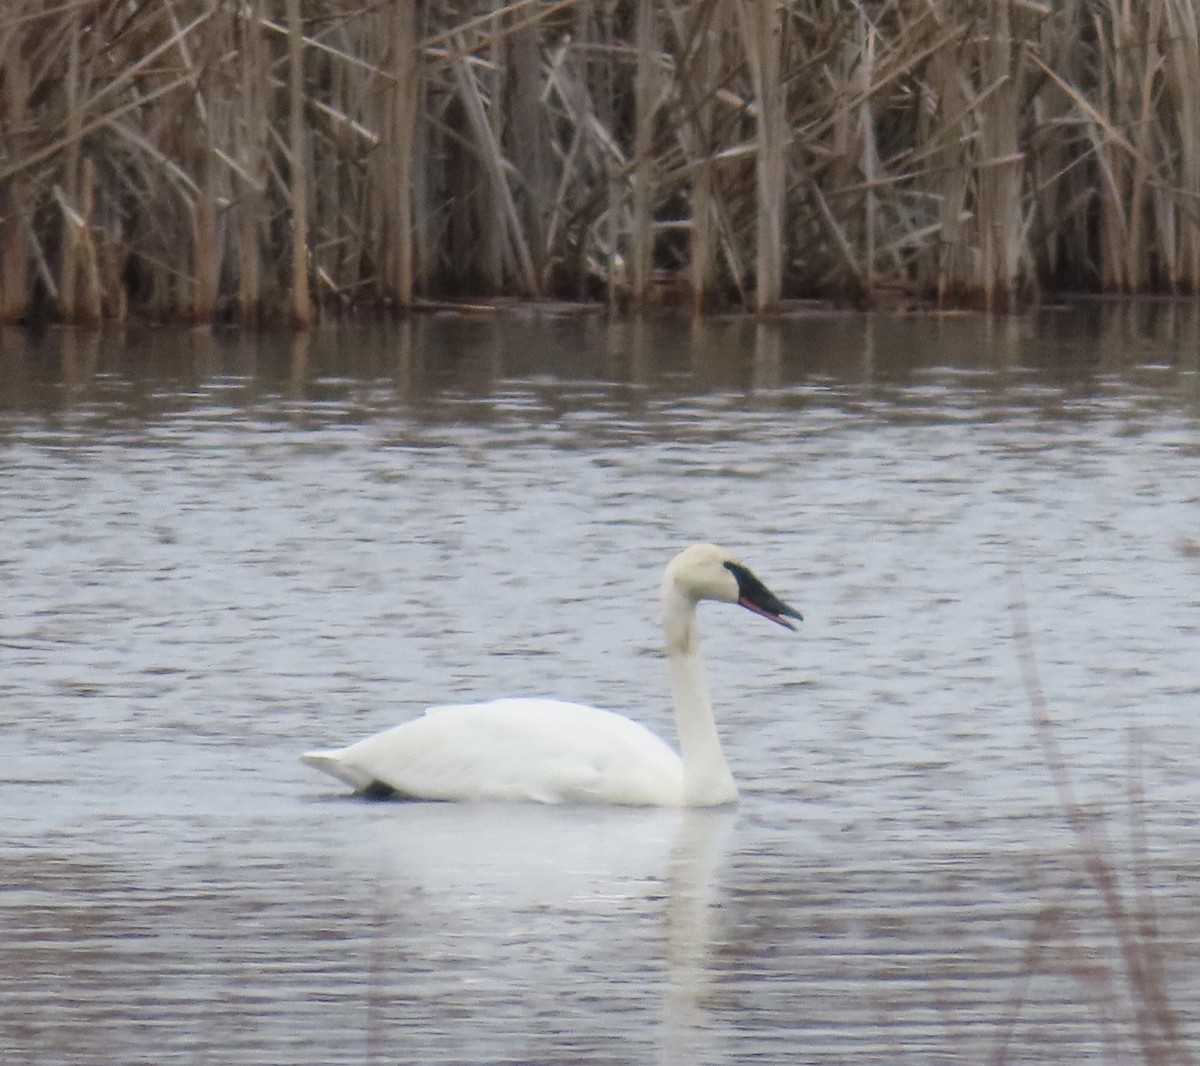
273, 160
1142, 991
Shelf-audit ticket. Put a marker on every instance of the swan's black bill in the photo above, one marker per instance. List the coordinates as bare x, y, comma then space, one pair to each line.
756, 597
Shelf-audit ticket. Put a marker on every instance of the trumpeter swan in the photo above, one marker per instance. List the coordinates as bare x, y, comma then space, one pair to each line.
549, 751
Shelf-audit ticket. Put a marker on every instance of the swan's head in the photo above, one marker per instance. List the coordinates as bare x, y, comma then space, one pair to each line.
707, 572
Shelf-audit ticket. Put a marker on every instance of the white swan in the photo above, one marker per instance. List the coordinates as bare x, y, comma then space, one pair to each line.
549, 751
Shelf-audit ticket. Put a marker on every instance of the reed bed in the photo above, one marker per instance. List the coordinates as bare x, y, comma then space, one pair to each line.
275, 161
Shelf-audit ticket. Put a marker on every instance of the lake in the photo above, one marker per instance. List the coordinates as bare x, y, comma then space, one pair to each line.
218, 551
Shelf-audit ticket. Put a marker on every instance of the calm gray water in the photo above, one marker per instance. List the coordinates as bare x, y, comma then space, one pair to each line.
216, 552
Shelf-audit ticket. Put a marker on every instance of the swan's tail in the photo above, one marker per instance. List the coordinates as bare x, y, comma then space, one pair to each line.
331, 762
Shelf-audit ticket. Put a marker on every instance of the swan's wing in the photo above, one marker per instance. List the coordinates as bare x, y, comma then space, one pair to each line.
514, 749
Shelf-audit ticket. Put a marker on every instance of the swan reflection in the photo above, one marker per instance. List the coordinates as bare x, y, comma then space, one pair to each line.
497, 914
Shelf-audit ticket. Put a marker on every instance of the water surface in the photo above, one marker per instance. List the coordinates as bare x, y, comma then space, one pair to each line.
217, 551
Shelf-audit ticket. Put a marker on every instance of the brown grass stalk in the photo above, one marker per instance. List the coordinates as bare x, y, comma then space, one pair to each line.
404, 113
14, 196
1180, 217
68, 195
698, 82
762, 30
999, 170
297, 158
1157, 1026
262, 160
646, 104
250, 177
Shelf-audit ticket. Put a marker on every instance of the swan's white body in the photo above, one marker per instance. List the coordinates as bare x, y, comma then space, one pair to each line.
549, 751
543, 750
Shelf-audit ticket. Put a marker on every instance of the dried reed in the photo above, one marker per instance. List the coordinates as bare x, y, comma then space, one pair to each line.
1156, 1025
274, 160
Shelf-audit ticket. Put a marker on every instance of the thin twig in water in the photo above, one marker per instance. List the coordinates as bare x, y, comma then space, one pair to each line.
1158, 1032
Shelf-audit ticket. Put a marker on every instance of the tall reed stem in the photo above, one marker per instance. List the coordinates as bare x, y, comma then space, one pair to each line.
301, 302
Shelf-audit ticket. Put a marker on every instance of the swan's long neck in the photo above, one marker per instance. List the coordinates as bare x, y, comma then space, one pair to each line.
706, 777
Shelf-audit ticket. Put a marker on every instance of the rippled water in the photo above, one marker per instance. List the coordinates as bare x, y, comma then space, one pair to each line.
216, 552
